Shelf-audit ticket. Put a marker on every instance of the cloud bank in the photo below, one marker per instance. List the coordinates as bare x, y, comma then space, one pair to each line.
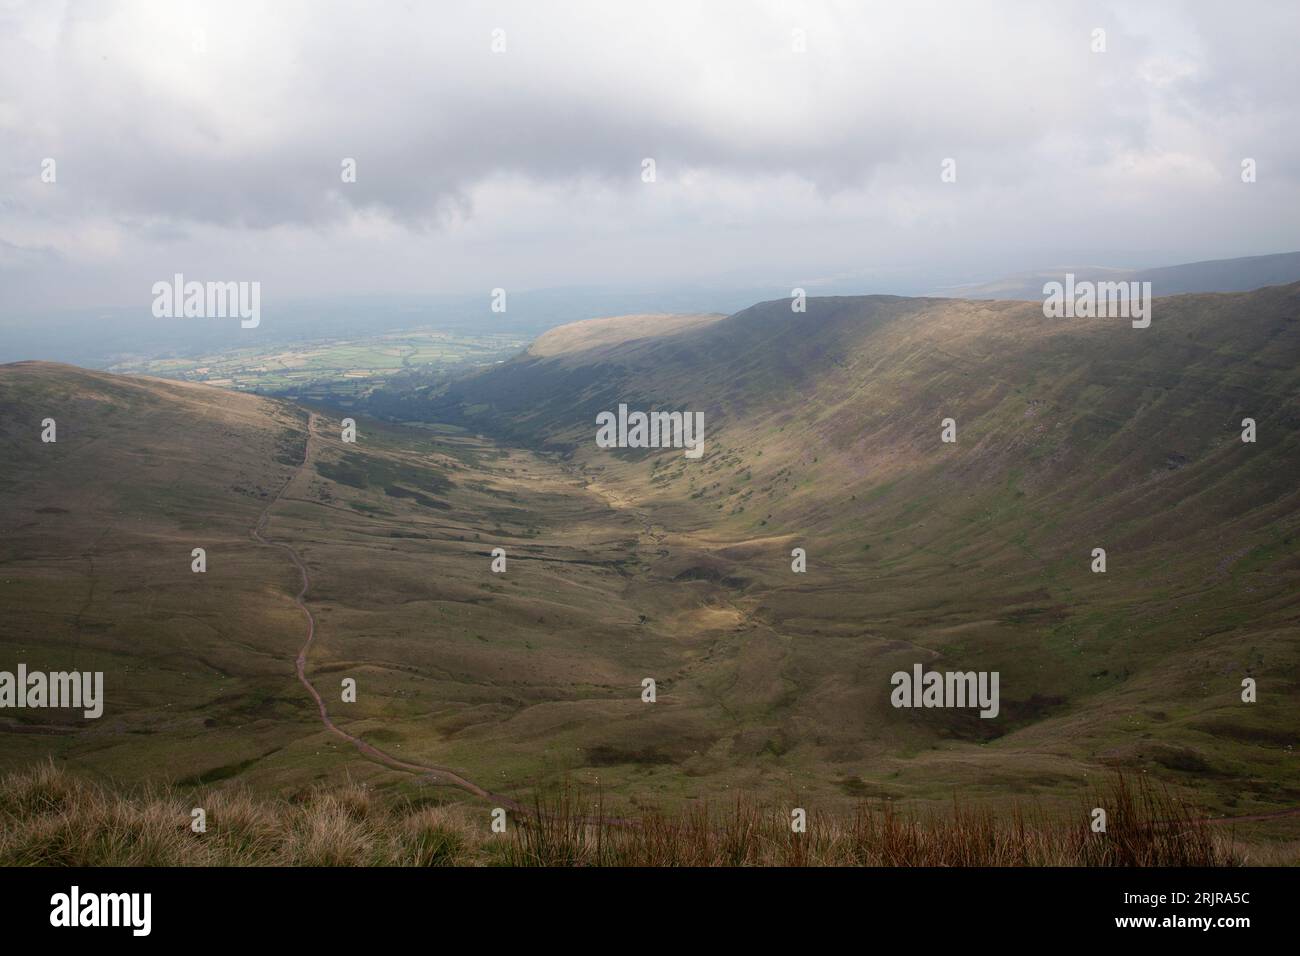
793, 143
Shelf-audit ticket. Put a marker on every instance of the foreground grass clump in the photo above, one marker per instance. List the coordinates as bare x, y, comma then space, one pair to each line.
1145, 827
49, 817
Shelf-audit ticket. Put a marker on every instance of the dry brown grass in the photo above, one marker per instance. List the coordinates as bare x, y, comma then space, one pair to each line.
50, 817
1146, 826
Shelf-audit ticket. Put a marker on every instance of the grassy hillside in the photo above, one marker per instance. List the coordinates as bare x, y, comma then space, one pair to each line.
1214, 275
824, 432
396, 532
95, 568
513, 679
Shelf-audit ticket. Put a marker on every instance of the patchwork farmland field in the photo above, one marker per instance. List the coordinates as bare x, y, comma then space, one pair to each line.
339, 370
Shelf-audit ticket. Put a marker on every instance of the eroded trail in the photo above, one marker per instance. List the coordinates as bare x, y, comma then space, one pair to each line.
435, 774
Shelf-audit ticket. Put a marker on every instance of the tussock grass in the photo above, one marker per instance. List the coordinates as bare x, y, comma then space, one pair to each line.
50, 817
1146, 826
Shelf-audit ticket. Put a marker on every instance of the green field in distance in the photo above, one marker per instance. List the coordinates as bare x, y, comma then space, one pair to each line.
336, 369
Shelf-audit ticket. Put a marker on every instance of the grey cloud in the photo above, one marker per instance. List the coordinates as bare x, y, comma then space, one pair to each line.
157, 142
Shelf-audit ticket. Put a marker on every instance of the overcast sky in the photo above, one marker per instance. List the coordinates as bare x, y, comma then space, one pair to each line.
207, 138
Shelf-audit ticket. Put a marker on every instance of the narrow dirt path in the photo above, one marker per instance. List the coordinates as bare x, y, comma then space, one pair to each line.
435, 774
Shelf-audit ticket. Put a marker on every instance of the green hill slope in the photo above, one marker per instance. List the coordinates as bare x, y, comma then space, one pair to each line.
823, 432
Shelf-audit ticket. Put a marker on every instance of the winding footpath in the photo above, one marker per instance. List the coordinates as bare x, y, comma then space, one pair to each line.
435, 774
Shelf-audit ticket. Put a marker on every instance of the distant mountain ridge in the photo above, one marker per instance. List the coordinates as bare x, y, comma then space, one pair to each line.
1211, 275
